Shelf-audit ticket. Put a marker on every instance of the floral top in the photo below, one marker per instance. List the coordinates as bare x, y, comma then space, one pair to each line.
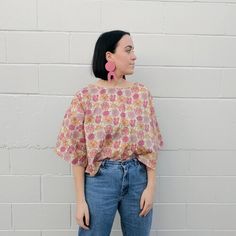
110, 123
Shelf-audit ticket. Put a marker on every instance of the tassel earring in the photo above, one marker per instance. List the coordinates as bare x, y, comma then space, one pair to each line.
110, 67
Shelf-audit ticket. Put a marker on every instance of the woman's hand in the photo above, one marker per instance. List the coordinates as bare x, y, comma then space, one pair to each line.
146, 201
82, 214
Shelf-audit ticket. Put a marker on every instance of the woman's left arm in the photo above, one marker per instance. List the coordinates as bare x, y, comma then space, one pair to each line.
147, 198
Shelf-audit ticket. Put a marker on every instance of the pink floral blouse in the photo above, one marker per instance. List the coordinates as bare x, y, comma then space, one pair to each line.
109, 123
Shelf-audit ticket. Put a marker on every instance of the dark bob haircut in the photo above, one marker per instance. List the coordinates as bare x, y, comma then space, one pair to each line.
106, 42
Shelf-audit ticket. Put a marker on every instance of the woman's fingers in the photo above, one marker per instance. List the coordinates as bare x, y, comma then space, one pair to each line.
87, 217
82, 223
82, 215
147, 207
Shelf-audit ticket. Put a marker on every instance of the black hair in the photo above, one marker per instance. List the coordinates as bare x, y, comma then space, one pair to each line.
107, 41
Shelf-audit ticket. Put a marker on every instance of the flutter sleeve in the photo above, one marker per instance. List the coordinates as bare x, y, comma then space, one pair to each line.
71, 143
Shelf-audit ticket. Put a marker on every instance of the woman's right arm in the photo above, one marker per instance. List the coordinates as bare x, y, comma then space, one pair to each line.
81, 204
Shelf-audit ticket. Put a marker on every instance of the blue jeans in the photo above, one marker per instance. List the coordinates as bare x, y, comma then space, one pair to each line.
117, 185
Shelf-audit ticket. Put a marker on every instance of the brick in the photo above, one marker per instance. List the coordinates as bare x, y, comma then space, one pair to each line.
151, 19
4, 161
52, 190
18, 15
5, 216
37, 162
20, 189
198, 18
37, 47
82, 47
41, 216
75, 16
63, 79
18, 79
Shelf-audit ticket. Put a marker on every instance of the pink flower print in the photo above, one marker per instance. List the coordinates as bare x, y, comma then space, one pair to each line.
116, 121
107, 152
80, 110
144, 96
119, 93
91, 136
108, 129
75, 134
80, 116
71, 149
112, 97
98, 119
100, 135
75, 160
139, 118
88, 112
125, 131
135, 96
79, 128
108, 136
131, 114
127, 93
149, 143
71, 127
133, 138
116, 144
103, 91
90, 128
140, 134
133, 147
129, 100
94, 90
121, 107
145, 103
93, 153
111, 91
138, 111
95, 98
84, 91
82, 140
88, 104
115, 112
97, 110
146, 127
105, 106
62, 149
122, 114
125, 139
146, 119
105, 113
140, 142
116, 136
90, 168
132, 123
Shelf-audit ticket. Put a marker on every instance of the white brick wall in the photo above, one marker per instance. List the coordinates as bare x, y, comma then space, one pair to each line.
186, 54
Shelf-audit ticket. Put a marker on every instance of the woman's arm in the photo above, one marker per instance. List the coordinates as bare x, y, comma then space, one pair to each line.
147, 198
78, 173
151, 177
82, 213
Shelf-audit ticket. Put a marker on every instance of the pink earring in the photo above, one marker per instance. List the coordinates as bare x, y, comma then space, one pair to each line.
110, 67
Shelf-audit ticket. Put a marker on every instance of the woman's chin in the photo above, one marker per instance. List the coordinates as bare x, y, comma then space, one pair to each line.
130, 72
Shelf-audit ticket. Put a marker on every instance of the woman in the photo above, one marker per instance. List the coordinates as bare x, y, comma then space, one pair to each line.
110, 135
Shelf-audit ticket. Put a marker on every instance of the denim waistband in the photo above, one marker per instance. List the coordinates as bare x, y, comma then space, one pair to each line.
132, 158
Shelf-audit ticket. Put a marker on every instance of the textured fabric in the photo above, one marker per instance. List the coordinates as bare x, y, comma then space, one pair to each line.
118, 185
109, 123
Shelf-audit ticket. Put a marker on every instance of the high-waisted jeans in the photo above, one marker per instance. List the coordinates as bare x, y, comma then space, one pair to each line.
117, 185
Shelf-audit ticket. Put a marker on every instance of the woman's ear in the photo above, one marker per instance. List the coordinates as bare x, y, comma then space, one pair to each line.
108, 55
